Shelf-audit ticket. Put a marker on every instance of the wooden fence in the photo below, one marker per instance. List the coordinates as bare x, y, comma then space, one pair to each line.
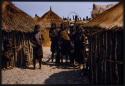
21, 47
106, 57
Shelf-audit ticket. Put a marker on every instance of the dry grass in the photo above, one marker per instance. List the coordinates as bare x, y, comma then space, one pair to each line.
46, 41
110, 18
15, 19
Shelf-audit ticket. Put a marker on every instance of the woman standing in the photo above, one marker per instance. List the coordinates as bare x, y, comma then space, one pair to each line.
37, 39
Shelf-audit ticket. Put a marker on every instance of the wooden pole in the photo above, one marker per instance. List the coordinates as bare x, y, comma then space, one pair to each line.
15, 53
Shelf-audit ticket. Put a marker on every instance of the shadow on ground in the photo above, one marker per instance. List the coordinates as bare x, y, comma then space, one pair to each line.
67, 77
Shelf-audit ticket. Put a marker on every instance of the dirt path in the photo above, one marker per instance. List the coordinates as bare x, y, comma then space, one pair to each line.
48, 74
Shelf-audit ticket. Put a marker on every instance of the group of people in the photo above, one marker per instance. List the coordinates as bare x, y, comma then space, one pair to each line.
68, 43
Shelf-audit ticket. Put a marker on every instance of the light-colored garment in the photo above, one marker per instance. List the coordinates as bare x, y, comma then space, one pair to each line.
64, 35
38, 37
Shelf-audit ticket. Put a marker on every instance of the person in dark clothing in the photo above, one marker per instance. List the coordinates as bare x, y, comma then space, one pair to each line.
72, 45
36, 40
58, 51
65, 42
53, 37
79, 45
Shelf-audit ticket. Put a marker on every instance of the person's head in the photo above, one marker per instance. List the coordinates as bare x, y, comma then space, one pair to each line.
37, 28
63, 26
78, 28
71, 25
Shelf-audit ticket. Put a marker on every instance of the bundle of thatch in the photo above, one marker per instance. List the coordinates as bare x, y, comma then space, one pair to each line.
110, 18
98, 9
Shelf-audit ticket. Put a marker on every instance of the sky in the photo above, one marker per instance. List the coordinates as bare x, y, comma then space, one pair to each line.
63, 9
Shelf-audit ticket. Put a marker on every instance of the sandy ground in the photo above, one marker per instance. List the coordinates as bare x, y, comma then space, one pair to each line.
48, 74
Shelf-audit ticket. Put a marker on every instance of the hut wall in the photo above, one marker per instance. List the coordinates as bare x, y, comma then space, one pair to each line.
45, 34
22, 48
106, 57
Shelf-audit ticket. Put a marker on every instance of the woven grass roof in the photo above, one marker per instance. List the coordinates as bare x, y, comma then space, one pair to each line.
98, 9
14, 19
50, 17
109, 19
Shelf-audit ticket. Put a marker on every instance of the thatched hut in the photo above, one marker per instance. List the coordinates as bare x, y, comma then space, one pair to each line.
106, 46
45, 21
17, 25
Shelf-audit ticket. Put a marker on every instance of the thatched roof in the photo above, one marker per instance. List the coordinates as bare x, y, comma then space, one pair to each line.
50, 17
36, 18
15, 19
110, 18
98, 9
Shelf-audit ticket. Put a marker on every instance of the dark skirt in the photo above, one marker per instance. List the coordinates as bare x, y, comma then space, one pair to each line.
65, 47
54, 46
37, 52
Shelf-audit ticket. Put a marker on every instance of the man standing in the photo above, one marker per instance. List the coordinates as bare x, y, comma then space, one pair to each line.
79, 45
37, 46
65, 41
72, 49
53, 37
